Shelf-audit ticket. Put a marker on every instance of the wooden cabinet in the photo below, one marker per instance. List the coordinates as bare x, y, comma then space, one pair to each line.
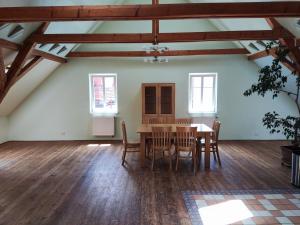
158, 101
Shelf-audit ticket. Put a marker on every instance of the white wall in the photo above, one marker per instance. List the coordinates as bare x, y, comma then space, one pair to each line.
3, 129
59, 108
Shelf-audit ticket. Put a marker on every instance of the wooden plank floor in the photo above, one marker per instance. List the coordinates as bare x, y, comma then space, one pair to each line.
74, 183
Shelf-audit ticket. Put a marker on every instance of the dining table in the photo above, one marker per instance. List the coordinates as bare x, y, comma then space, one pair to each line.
203, 131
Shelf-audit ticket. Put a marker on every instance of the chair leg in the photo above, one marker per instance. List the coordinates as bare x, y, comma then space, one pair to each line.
214, 153
177, 160
194, 161
124, 155
170, 158
147, 150
153, 159
213, 150
218, 155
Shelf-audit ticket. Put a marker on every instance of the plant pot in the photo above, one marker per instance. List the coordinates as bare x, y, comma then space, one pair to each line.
286, 154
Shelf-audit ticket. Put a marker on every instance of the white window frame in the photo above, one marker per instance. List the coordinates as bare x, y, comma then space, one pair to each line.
215, 87
91, 94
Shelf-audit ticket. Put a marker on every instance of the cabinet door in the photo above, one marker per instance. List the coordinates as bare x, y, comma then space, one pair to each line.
150, 99
166, 99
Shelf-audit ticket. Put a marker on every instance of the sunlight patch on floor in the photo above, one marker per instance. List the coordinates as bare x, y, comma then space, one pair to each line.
105, 145
225, 213
93, 145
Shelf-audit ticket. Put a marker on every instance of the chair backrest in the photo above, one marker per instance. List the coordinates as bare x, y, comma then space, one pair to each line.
184, 121
154, 121
161, 137
216, 128
186, 138
124, 133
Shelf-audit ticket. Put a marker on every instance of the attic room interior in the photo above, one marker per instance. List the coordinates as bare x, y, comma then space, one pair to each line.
149, 112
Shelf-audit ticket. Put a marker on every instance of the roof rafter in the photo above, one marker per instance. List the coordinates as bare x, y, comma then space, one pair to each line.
272, 52
152, 54
2, 71
23, 54
20, 60
29, 66
151, 12
289, 42
161, 37
35, 52
48, 56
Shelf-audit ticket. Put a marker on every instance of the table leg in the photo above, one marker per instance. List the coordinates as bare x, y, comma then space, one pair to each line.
207, 151
143, 147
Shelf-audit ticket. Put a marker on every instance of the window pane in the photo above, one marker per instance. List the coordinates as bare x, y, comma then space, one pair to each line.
208, 82
98, 92
104, 94
196, 99
202, 93
196, 81
208, 101
110, 98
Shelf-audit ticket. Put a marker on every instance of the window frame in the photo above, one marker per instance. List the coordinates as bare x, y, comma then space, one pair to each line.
91, 93
215, 97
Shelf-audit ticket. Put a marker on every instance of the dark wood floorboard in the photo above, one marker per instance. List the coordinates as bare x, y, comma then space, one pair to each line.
74, 183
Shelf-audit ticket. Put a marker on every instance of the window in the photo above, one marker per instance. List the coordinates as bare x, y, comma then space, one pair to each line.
103, 93
202, 93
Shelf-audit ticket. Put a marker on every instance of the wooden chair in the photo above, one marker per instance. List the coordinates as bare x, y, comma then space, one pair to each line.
161, 141
128, 146
186, 142
214, 142
184, 121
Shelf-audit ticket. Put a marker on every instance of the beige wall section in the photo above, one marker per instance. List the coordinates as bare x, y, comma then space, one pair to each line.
59, 108
3, 129
26, 85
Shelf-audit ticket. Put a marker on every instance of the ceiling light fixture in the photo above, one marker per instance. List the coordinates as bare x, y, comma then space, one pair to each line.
155, 48
156, 59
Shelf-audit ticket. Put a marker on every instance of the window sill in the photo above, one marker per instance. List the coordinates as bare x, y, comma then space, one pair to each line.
104, 114
199, 114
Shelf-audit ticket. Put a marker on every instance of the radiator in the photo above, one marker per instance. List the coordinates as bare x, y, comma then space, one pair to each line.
103, 126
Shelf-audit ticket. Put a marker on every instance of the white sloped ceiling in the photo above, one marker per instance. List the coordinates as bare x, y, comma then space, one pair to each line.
257, 24
33, 79
36, 76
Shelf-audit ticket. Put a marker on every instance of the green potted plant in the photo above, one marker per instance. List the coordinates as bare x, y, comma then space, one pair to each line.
272, 80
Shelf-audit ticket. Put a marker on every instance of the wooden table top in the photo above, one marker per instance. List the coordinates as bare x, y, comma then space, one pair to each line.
201, 127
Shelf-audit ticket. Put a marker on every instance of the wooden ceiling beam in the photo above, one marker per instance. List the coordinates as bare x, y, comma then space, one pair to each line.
150, 12
162, 37
35, 52
9, 45
261, 54
152, 54
223, 36
272, 52
49, 56
155, 25
20, 60
24, 53
29, 66
2, 71
289, 42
